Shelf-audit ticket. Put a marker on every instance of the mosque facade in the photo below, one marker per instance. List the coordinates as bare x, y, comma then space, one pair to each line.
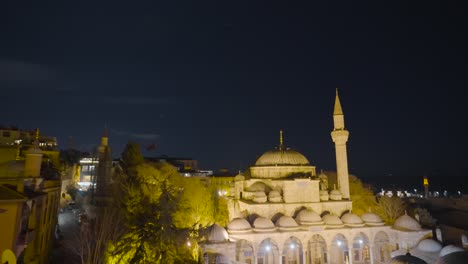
283, 212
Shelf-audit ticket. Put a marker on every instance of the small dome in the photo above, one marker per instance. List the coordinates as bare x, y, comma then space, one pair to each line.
263, 224
324, 195
407, 259
335, 195
449, 249
239, 225
406, 223
323, 192
217, 234
286, 222
275, 196
429, 245
351, 219
372, 219
458, 257
332, 221
260, 197
308, 217
281, 157
239, 177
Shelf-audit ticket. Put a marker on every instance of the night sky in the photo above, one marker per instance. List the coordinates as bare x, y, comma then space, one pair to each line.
216, 81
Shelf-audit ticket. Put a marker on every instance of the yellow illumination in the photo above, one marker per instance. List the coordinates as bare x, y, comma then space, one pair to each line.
426, 181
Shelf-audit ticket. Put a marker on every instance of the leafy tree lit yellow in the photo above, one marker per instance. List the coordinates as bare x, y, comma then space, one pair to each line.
163, 212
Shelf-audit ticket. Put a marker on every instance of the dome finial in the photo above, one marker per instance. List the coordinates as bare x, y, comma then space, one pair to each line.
281, 139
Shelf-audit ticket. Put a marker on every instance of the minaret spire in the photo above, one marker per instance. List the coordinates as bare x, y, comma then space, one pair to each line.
281, 146
337, 110
340, 137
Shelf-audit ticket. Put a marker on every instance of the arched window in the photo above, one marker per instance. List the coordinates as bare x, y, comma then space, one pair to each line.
317, 253
381, 247
361, 250
268, 252
339, 252
292, 251
244, 252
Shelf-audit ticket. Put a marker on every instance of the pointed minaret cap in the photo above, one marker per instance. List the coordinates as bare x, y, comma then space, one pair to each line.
105, 133
337, 110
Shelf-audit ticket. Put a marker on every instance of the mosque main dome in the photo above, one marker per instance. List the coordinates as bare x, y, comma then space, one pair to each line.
281, 162
281, 157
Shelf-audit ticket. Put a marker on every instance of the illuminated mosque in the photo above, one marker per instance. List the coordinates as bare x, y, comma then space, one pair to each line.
283, 212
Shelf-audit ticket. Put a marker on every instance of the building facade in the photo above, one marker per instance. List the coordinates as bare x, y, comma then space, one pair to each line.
282, 212
29, 202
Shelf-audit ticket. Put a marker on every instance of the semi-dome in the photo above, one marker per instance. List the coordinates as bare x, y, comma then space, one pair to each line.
217, 233
372, 219
352, 220
429, 245
263, 224
308, 217
407, 259
449, 249
406, 223
332, 221
282, 156
286, 223
239, 225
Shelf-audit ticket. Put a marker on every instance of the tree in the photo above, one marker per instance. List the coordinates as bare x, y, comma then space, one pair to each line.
153, 236
150, 196
390, 208
363, 197
425, 218
94, 236
195, 207
131, 156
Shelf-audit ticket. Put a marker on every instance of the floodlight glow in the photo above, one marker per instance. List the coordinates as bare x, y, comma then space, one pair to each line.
267, 248
292, 246
360, 241
338, 243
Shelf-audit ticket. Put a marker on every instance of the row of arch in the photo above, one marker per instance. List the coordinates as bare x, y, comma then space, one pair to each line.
360, 251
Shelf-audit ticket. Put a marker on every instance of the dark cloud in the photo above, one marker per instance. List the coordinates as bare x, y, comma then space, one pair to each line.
142, 136
15, 71
137, 100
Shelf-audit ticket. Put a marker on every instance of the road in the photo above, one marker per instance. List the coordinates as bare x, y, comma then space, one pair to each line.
65, 249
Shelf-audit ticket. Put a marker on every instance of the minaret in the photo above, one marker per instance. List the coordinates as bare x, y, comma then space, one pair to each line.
426, 186
340, 137
104, 168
